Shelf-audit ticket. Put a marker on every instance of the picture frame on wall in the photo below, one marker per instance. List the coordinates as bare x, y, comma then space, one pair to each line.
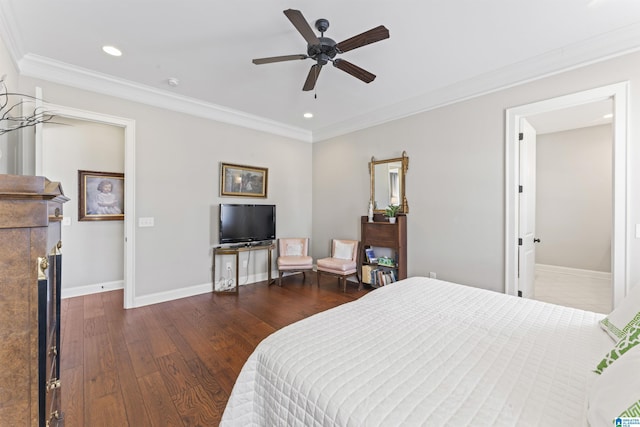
100, 196
243, 181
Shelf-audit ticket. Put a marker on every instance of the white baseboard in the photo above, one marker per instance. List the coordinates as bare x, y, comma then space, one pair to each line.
574, 271
193, 291
91, 289
172, 295
160, 296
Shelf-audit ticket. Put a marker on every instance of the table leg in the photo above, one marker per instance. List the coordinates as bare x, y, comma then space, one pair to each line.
213, 270
237, 269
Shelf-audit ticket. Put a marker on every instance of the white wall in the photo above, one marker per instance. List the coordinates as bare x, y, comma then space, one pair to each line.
455, 183
177, 183
9, 156
93, 250
574, 198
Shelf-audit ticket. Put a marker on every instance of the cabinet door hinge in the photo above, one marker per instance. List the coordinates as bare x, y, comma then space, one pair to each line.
520, 189
519, 242
520, 136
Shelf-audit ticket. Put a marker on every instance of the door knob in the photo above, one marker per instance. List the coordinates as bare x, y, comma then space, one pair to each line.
536, 240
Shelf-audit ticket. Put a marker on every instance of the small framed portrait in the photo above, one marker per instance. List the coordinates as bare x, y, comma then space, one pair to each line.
101, 196
243, 181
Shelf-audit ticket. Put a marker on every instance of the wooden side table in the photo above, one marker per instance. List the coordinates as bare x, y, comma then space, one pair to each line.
236, 252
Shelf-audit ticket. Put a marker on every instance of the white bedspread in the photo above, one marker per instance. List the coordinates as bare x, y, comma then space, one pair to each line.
424, 352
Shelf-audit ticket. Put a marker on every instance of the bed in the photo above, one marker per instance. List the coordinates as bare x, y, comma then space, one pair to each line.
423, 351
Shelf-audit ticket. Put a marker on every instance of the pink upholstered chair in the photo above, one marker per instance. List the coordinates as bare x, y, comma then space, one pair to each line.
293, 257
342, 263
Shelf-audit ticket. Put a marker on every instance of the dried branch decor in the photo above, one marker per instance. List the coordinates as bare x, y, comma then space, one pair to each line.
10, 116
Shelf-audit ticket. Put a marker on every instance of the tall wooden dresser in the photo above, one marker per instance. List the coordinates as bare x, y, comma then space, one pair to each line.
30, 272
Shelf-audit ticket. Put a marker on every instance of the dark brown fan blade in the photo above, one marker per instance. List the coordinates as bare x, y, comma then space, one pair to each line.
301, 24
368, 37
259, 61
354, 70
312, 77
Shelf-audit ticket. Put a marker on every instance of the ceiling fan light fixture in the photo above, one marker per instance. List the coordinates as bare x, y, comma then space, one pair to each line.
111, 50
323, 49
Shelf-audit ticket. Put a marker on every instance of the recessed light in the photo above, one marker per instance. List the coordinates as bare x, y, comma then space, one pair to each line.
308, 115
112, 50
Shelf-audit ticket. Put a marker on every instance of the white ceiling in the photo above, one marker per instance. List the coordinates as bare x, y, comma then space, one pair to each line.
586, 115
439, 51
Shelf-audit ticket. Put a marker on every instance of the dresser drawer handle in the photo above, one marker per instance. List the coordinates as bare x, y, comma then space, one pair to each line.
43, 264
52, 384
55, 417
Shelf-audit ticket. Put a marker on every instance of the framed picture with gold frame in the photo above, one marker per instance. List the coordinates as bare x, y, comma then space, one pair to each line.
243, 181
101, 196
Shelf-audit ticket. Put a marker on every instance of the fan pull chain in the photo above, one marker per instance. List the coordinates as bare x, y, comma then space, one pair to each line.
315, 90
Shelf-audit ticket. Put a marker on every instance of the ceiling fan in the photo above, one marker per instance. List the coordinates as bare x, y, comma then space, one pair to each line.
323, 49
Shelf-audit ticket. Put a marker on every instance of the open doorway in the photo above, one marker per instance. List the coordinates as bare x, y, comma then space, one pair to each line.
93, 250
617, 94
573, 203
128, 128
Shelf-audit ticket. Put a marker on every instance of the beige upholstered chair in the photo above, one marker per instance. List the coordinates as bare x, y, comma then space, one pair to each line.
342, 263
293, 257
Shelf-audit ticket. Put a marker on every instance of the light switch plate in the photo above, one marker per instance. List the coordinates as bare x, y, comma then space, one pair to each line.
66, 220
146, 222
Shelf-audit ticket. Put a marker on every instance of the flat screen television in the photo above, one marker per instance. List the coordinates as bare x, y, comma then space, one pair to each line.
247, 223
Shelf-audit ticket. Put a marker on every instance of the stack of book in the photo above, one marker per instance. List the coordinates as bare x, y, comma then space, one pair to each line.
377, 277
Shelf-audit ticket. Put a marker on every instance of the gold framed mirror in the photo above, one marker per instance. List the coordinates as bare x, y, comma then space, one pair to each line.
388, 179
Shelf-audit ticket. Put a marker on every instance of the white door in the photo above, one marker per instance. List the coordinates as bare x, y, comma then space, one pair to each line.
527, 209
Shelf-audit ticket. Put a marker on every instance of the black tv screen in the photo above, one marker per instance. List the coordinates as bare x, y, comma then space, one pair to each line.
247, 223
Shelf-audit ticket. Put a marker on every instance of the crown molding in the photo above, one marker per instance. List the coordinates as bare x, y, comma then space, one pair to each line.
9, 33
59, 72
597, 49
616, 43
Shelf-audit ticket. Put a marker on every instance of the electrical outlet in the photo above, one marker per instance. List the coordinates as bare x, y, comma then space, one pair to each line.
432, 274
228, 266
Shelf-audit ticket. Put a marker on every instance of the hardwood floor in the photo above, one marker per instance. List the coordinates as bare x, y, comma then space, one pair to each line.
175, 363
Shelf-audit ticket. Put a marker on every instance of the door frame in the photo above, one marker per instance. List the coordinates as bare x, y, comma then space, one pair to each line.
129, 128
619, 94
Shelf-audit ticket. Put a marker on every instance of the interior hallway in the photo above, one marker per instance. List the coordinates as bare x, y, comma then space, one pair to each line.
573, 290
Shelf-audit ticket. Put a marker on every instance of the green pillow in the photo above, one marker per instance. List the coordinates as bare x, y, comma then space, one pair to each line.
632, 411
618, 322
615, 395
630, 340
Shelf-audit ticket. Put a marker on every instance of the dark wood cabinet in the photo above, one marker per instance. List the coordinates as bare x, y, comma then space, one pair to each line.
380, 236
30, 282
